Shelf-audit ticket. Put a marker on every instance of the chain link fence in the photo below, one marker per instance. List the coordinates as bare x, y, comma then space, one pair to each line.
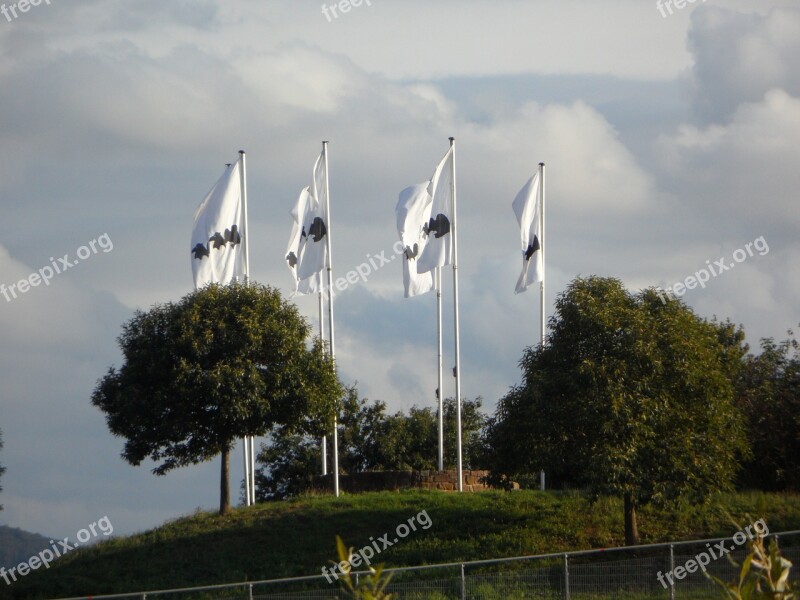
630, 573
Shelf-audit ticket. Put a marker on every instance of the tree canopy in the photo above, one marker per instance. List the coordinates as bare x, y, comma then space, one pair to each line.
631, 396
222, 363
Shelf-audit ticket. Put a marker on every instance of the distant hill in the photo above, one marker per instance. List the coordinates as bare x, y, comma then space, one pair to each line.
17, 545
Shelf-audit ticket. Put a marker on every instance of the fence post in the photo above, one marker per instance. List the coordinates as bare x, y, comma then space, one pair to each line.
463, 584
566, 577
250, 591
672, 571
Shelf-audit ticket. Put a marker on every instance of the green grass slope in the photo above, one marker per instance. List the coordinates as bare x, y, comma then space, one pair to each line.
297, 537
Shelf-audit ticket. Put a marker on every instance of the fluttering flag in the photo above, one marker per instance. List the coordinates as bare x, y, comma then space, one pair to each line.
297, 243
216, 249
438, 230
413, 215
313, 249
527, 206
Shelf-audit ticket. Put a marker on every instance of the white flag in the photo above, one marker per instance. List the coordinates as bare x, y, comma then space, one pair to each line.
438, 231
217, 255
313, 254
527, 207
413, 214
297, 244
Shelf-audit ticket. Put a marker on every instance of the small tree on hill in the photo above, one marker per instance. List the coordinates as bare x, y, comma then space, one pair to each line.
369, 440
768, 392
630, 397
223, 363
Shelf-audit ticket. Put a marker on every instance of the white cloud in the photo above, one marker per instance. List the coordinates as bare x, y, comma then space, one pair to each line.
738, 57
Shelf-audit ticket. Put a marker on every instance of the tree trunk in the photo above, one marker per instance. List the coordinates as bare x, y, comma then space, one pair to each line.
631, 530
224, 482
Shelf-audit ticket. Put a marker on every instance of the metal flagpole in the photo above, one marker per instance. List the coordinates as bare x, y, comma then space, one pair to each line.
324, 445
253, 467
249, 493
439, 390
455, 318
330, 318
541, 290
246, 472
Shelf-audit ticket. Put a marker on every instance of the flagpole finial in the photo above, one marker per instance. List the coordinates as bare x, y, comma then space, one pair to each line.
541, 164
452, 139
241, 151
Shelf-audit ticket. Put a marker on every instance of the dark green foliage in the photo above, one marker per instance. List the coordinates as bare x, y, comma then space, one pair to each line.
224, 362
768, 393
370, 440
631, 397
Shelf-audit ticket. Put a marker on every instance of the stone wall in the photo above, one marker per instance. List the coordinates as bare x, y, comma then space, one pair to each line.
377, 481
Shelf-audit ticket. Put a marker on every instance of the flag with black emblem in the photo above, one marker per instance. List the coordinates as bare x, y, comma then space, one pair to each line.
527, 206
216, 247
438, 250
297, 244
413, 215
313, 249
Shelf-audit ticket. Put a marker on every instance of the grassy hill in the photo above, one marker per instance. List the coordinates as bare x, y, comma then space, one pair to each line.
297, 537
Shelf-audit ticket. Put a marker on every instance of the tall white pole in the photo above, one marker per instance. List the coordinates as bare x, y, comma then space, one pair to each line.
249, 460
440, 390
246, 471
324, 445
330, 318
455, 318
543, 316
253, 467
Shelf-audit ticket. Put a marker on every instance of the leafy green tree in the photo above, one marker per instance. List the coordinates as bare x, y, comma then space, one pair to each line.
223, 363
2, 468
631, 396
768, 392
369, 440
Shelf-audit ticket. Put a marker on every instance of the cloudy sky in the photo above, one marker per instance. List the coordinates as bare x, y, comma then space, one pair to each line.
670, 140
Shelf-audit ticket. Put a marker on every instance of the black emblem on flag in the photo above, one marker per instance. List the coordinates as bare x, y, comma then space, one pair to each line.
232, 235
317, 230
218, 241
411, 253
200, 251
532, 248
440, 226
292, 258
